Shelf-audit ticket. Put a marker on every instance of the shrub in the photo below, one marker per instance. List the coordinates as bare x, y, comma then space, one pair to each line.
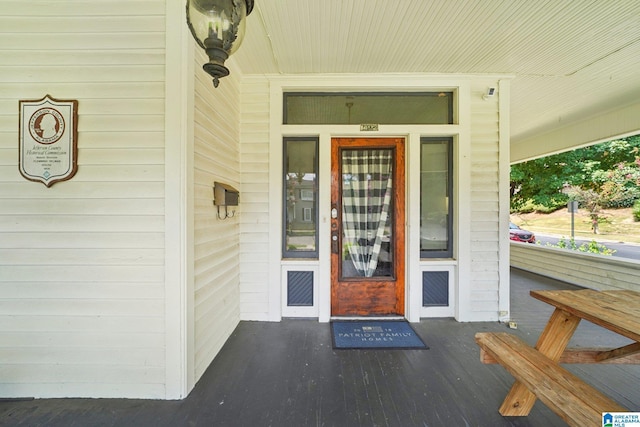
592, 247
529, 206
526, 207
636, 210
619, 187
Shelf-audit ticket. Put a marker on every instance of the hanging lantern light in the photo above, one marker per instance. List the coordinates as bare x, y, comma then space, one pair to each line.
218, 27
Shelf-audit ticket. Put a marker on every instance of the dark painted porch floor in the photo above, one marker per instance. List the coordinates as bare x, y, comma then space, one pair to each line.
287, 374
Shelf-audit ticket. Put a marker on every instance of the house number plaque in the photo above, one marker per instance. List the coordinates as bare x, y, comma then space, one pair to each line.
48, 147
369, 127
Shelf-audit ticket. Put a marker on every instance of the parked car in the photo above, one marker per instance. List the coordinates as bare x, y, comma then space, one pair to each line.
519, 235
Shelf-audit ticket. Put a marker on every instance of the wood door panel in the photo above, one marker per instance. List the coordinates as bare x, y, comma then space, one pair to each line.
365, 299
361, 296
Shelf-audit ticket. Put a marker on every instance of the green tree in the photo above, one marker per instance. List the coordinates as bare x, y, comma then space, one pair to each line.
618, 187
590, 200
612, 168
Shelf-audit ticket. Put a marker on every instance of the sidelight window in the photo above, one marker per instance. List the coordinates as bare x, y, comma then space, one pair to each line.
436, 198
300, 198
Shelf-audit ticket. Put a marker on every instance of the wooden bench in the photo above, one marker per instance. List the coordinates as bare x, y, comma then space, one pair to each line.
572, 399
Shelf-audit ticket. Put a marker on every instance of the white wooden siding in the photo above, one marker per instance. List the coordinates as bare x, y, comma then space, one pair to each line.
254, 227
482, 277
216, 242
82, 263
485, 206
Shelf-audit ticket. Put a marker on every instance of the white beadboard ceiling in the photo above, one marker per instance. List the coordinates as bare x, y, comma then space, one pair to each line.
569, 58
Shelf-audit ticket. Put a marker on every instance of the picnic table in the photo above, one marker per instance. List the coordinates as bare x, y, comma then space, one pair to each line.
537, 370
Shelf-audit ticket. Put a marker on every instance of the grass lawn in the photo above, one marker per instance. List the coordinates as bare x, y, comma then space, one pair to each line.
618, 224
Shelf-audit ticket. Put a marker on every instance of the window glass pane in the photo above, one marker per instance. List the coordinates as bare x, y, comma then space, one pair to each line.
436, 198
357, 108
300, 198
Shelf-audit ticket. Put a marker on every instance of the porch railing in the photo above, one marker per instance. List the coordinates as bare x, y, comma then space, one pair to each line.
583, 269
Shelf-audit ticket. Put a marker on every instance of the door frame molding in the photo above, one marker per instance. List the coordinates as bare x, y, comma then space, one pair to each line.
463, 86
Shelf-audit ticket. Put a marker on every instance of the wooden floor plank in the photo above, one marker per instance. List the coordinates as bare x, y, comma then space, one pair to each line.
287, 374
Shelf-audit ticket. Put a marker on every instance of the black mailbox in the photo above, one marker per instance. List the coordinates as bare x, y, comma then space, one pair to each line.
225, 195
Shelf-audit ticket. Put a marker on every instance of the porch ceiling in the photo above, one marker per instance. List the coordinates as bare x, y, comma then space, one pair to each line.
570, 59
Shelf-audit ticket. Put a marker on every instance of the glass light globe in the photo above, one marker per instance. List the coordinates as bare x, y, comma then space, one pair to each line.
218, 27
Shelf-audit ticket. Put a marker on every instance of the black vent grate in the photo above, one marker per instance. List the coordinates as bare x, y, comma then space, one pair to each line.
300, 288
435, 288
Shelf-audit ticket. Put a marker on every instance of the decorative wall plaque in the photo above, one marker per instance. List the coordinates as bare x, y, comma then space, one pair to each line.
48, 129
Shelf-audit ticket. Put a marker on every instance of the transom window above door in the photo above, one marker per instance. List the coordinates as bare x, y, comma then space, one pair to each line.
408, 108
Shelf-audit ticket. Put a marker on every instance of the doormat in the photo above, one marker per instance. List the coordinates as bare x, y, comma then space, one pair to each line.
375, 334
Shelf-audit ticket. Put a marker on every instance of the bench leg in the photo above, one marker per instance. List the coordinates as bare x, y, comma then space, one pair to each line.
552, 343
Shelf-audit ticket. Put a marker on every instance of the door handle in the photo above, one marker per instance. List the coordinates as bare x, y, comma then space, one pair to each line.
334, 242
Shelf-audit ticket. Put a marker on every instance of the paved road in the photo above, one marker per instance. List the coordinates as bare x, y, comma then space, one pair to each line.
623, 250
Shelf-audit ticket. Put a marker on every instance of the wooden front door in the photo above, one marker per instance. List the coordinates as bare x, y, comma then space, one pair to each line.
367, 226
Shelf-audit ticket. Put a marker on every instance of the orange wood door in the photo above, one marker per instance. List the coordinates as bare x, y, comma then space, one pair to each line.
367, 226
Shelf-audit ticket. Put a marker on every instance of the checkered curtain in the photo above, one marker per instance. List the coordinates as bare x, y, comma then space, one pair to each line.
366, 195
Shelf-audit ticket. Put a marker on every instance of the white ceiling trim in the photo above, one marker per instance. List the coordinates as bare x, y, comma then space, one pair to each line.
569, 59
